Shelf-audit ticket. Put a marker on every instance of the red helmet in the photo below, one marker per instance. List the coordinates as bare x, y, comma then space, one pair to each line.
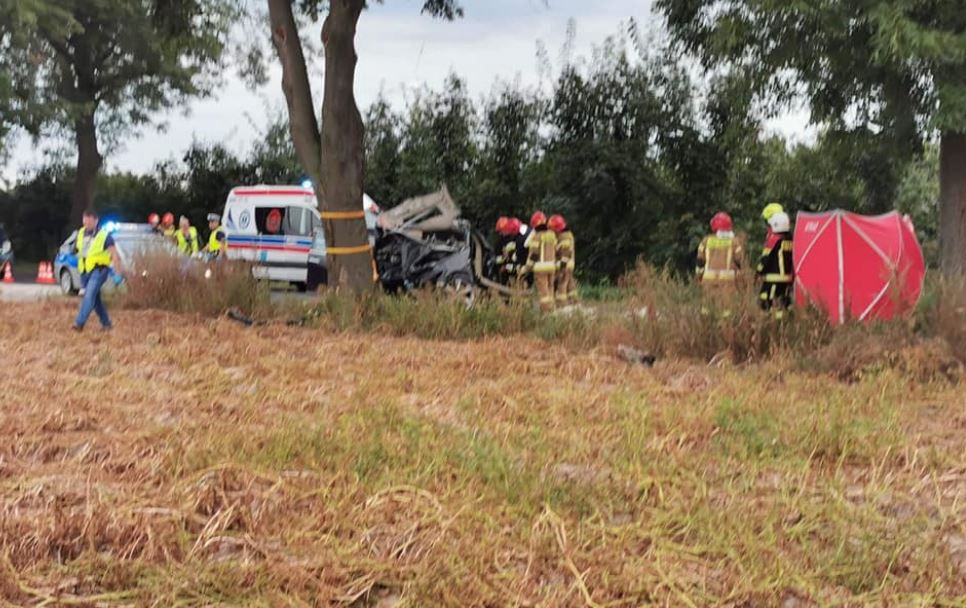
501, 224
168, 219
513, 226
538, 219
153, 219
721, 221
557, 223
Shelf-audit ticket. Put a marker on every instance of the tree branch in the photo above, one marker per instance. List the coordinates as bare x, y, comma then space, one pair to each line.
298, 93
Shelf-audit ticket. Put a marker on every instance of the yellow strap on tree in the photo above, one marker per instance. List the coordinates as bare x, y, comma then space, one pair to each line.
343, 215
348, 250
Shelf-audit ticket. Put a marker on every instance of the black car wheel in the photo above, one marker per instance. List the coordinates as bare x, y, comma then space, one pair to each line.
67, 283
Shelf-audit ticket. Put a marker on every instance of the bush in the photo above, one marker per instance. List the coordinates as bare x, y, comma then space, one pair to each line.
173, 282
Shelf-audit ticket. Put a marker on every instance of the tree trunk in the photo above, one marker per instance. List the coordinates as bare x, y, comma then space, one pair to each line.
952, 204
89, 162
343, 156
303, 126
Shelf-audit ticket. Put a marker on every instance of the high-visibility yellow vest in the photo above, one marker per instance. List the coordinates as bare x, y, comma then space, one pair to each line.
95, 255
719, 256
214, 245
542, 248
566, 251
188, 245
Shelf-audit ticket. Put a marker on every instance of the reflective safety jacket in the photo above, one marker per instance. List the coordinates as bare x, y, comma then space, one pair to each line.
507, 258
96, 254
777, 264
542, 251
214, 244
719, 257
566, 251
189, 244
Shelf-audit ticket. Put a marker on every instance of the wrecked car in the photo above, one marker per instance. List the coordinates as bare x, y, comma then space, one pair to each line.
423, 242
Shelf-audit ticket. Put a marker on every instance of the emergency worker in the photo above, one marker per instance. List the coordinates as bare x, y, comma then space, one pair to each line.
719, 254
508, 230
766, 214
167, 227
154, 220
776, 268
217, 240
95, 254
186, 237
542, 260
566, 288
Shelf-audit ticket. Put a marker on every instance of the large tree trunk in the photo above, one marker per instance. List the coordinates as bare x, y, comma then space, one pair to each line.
343, 156
952, 204
303, 126
89, 162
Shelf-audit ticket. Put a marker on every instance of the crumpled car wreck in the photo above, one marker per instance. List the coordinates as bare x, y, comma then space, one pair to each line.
423, 242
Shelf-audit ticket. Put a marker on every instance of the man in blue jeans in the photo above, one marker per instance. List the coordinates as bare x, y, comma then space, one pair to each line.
95, 253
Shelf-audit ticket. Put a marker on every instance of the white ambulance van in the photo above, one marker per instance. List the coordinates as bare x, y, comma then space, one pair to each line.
276, 227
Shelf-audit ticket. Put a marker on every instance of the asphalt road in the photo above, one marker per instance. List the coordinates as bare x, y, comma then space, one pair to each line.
27, 292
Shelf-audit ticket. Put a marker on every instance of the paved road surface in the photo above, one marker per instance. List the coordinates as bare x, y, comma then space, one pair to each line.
27, 292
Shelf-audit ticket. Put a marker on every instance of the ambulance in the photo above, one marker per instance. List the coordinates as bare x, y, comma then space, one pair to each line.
278, 229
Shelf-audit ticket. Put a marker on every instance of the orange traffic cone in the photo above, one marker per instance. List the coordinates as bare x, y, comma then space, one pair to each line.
45, 274
8, 274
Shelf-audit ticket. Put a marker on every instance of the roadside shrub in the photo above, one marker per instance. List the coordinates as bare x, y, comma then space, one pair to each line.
179, 284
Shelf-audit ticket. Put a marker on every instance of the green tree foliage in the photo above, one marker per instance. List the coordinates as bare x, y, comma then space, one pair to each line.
634, 151
97, 69
891, 71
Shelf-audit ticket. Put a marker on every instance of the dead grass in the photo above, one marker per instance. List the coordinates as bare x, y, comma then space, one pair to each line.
173, 282
184, 462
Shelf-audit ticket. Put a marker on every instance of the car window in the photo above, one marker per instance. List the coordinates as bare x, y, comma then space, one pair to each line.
269, 220
297, 222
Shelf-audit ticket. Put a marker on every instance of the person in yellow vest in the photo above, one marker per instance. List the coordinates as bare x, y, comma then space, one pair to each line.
542, 260
95, 254
566, 288
167, 227
187, 237
217, 240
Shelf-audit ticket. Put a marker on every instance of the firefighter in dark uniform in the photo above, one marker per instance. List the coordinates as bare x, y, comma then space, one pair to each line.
776, 268
507, 264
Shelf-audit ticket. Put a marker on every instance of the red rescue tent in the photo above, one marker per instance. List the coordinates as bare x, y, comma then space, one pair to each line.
857, 267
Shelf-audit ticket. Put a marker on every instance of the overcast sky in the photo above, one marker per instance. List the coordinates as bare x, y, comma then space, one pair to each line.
398, 50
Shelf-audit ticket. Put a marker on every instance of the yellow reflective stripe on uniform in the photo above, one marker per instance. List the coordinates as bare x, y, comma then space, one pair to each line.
542, 267
778, 278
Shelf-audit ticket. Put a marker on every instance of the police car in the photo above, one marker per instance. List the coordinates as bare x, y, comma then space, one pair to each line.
130, 239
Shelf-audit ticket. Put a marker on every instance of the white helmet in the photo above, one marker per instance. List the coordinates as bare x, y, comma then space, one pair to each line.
780, 222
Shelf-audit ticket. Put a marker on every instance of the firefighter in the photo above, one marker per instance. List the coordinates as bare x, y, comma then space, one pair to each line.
506, 247
719, 254
167, 226
566, 288
218, 240
154, 220
776, 268
542, 259
766, 214
186, 237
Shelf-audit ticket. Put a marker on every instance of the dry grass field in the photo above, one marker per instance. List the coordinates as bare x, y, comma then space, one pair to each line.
186, 462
